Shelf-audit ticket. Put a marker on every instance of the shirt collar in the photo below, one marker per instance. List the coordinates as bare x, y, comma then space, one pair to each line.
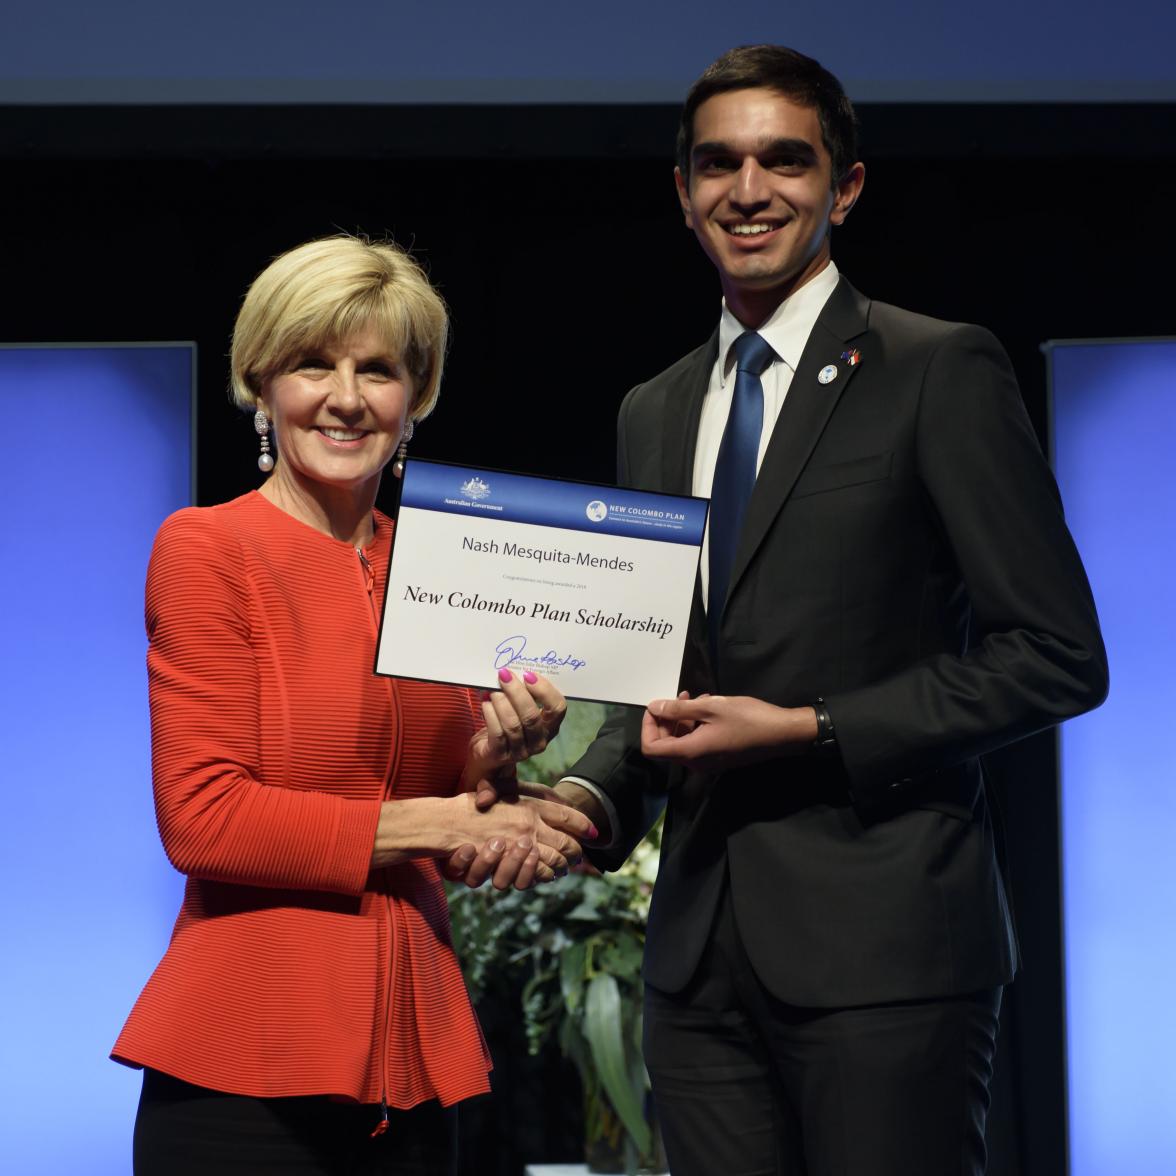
789, 325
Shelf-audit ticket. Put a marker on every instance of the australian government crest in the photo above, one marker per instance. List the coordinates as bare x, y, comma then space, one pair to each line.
475, 489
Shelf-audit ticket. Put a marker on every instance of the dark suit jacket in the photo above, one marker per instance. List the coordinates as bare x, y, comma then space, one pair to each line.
905, 557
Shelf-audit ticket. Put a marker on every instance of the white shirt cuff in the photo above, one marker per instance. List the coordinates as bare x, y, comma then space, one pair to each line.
609, 810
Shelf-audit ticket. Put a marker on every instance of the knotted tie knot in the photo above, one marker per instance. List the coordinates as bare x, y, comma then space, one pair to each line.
753, 353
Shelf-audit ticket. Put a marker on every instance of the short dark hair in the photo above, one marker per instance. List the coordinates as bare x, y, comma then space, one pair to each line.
800, 78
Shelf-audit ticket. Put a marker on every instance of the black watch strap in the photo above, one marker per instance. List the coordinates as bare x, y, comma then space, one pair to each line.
826, 739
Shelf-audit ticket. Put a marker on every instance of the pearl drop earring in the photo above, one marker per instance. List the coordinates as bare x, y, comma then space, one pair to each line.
261, 423
402, 451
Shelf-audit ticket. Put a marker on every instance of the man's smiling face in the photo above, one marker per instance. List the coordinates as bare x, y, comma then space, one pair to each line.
760, 196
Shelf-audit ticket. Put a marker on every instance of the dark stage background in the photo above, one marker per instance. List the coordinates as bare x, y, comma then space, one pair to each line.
554, 234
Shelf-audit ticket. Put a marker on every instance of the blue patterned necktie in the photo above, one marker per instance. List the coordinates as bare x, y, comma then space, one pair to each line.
735, 470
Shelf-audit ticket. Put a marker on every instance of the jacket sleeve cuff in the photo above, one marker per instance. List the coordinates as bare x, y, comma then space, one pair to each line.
351, 859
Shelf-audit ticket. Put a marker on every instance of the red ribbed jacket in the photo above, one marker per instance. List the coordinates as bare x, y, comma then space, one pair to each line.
292, 969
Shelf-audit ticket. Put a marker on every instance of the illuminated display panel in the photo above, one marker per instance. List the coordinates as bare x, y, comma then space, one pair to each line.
1114, 439
99, 451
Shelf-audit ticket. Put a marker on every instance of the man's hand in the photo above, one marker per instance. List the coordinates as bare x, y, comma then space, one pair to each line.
576, 796
715, 732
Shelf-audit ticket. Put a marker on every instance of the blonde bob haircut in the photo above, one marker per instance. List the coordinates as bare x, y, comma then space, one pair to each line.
324, 292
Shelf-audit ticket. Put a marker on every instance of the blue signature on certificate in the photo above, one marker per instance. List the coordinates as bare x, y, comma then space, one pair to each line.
513, 649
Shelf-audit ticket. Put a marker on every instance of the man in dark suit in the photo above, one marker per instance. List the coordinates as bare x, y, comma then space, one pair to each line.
888, 591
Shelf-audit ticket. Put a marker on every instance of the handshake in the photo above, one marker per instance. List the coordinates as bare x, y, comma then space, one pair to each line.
532, 836
538, 839
495, 827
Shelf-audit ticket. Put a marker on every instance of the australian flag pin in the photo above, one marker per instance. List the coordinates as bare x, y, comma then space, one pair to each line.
827, 374
852, 357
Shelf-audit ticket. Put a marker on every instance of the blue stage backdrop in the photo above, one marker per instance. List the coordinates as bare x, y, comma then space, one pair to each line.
100, 450
299, 51
1114, 438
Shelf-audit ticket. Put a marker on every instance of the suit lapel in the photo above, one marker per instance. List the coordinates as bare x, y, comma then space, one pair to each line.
803, 417
681, 415
679, 421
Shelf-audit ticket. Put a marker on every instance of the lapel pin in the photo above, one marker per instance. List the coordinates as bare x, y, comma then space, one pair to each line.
852, 357
828, 373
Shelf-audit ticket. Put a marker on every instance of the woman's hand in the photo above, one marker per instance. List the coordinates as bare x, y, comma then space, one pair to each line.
521, 719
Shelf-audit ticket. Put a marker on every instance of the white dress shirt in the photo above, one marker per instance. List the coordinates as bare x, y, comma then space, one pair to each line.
786, 331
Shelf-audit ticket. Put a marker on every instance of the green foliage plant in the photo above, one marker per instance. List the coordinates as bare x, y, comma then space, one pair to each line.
574, 947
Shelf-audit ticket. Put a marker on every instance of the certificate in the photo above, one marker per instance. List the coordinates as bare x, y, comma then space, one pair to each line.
588, 585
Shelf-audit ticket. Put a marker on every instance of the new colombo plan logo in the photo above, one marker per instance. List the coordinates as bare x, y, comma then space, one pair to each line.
597, 511
475, 488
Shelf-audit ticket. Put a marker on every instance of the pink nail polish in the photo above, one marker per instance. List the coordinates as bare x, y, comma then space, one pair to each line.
593, 832
530, 678
505, 675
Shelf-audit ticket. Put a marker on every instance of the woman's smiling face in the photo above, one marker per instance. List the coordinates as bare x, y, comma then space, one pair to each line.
338, 415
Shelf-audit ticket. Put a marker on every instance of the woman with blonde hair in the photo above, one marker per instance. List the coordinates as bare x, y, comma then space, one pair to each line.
309, 1015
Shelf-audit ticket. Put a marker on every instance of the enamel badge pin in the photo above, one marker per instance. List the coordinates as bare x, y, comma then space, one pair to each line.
827, 374
852, 357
